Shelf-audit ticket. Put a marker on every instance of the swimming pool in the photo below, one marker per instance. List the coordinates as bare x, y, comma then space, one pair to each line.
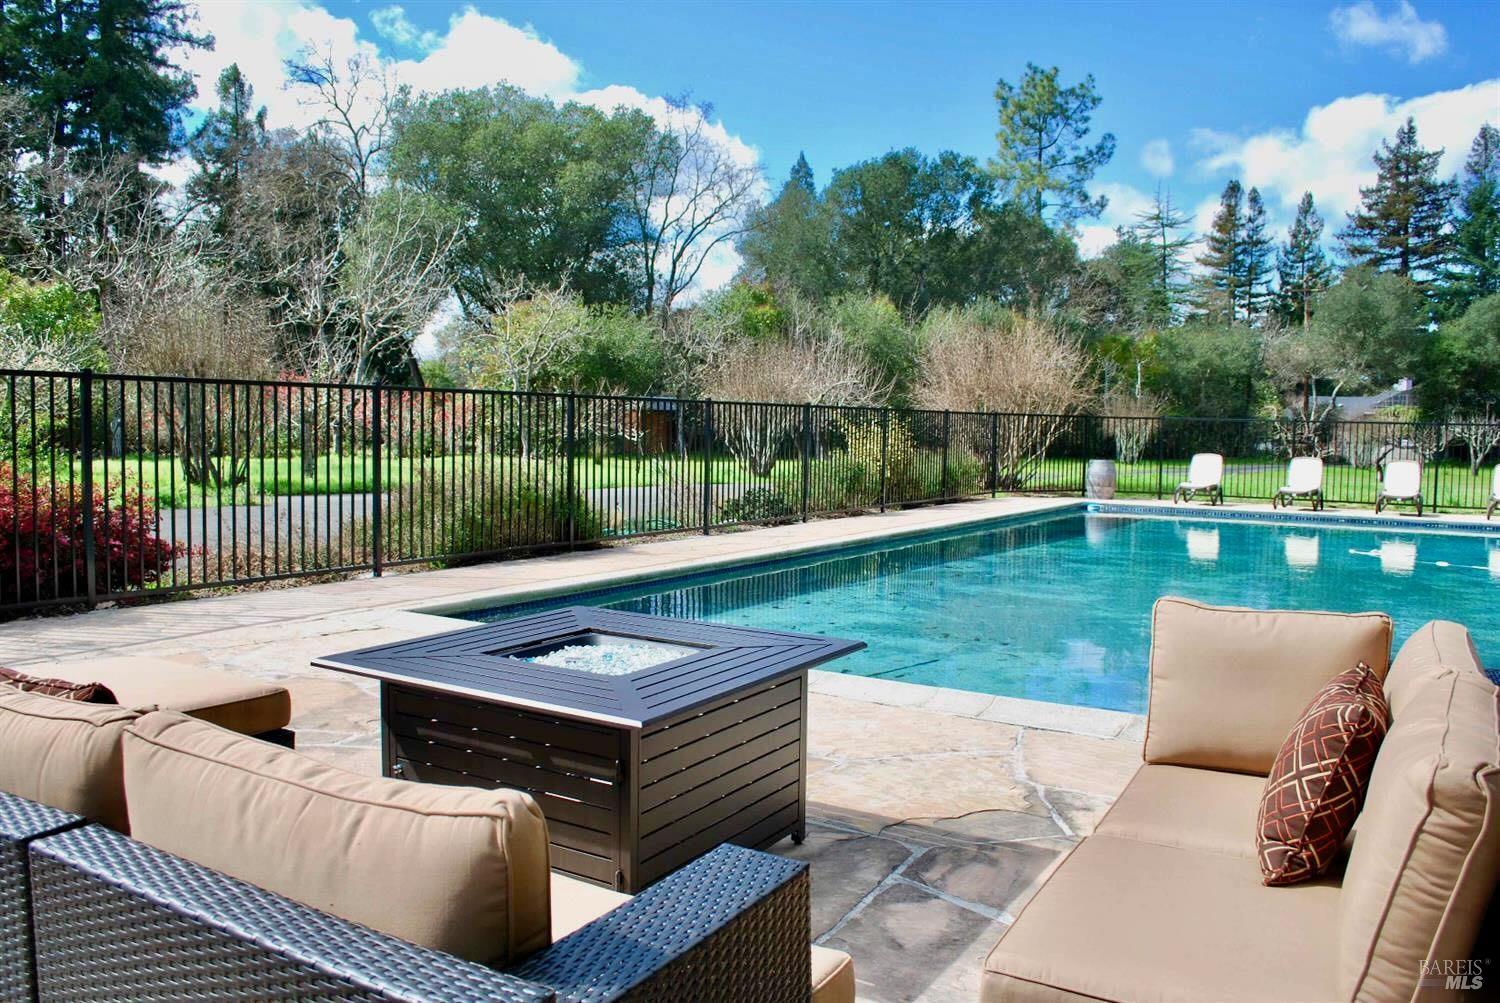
1057, 607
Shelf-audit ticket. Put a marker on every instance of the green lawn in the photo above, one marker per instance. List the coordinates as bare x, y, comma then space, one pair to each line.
164, 479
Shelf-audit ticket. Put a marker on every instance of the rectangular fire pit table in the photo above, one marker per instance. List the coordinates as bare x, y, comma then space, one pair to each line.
647, 741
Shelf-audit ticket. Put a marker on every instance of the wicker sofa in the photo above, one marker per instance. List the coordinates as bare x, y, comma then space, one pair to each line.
250, 871
1165, 901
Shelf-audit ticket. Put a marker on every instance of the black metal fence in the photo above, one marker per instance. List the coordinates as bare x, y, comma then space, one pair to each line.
118, 486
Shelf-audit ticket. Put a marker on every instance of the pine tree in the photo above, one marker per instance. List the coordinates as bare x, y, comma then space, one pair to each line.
802, 177
1401, 225
1219, 291
1255, 260
1473, 271
222, 147
101, 73
1042, 160
1301, 266
1160, 228
788, 243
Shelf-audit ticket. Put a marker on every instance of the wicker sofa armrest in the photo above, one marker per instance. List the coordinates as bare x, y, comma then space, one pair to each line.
116, 919
732, 926
21, 821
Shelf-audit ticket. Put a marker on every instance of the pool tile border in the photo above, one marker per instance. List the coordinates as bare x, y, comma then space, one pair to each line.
1451, 524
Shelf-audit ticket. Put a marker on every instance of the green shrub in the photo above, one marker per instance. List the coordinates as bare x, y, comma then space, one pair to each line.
757, 505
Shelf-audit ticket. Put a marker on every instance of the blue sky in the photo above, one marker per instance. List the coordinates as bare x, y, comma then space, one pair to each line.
1285, 96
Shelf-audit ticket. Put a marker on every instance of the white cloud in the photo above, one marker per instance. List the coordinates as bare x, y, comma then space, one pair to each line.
392, 24
1330, 155
1124, 202
1400, 32
1156, 158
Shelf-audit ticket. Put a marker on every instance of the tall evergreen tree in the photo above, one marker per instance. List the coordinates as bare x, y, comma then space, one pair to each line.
222, 147
1220, 293
1163, 229
1301, 266
1043, 159
101, 73
1474, 269
1255, 258
787, 241
1401, 224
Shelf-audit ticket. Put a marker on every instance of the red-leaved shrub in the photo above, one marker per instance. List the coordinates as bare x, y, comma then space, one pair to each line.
42, 544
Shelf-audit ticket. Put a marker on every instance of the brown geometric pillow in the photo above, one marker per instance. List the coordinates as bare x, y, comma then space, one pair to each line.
61, 688
1315, 790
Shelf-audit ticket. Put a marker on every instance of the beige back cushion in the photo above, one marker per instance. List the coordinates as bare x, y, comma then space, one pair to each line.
1427, 845
1227, 684
64, 753
457, 869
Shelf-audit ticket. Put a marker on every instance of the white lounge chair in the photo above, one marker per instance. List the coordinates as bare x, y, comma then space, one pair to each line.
1401, 482
1494, 496
1205, 476
1304, 479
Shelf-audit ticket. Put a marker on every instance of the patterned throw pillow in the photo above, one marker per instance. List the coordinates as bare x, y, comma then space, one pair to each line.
60, 688
1315, 790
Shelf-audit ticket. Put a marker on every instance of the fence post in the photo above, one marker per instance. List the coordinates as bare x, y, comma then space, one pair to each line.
806, 456
994, 453
570, 431
947, 428
86, 446
377, 481
1161, 445
885, 441
1085, 427
708, 464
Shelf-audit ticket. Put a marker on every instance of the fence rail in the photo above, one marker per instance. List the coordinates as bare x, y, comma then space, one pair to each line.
118, 486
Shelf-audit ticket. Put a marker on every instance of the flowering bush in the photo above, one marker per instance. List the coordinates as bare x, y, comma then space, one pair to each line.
42, 545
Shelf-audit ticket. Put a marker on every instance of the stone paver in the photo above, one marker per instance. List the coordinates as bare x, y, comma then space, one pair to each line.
930, 824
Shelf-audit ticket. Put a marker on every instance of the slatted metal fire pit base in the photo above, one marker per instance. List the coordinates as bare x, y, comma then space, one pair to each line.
637, 773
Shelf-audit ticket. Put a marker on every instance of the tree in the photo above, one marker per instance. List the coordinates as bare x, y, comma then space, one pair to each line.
223, 146
1043, 159
1375, 322
544, 192
1120, 287
1474, 269
1163, 228
353, 100
786, 241
1256, 259
1210, 370
1401, 225
100, 75
690, 197
1301, 267
1462, 375
1220, 288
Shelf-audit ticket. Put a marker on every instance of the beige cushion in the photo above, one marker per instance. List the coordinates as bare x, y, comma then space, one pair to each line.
576, 904
1122, 919
1427, 845
1206, 810
832, 976
460, 870
64, 753
186, 683
1228, 684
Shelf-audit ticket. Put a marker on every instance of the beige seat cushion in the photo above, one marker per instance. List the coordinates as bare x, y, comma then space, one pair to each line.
1227, 684
576, 904
461, 870
1122, 919
186, 683
65, 754
1427, 845
1207, 810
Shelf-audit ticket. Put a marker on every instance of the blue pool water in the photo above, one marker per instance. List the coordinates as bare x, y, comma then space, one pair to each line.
1057, 608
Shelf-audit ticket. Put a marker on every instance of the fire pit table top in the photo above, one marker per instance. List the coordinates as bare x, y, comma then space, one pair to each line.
683, 663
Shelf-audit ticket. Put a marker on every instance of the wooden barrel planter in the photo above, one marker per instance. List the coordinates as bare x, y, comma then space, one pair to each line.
1099, 479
